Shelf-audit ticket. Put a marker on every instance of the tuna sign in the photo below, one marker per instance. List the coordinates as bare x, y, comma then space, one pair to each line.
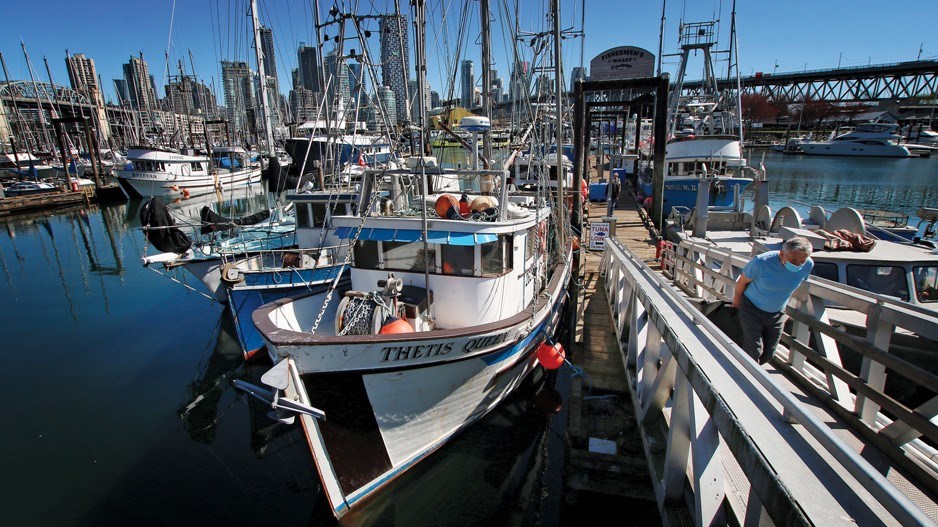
623, 62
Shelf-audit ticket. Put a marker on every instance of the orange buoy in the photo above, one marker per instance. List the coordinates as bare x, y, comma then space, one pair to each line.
551, 356
185, 193
481, 204
395, 325
175, 188
446, 206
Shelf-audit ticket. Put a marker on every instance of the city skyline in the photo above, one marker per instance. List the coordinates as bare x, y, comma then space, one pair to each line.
829, 45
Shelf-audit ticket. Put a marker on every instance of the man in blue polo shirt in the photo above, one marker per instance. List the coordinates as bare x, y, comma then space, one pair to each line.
763, 290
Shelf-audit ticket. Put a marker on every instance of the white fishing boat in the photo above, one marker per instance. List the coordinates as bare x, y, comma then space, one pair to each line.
157, 172
453, 297
705, 137
866, 140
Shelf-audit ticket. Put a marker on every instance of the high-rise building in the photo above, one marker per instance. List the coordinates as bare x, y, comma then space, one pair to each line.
389, 103
435, 100
303, 104
468, 84
238, 86
84, 79
140, 86
358, 84
395, 60
190, 97
337, 79
122, 92
267, 47
308, 66
520, 83
577, 74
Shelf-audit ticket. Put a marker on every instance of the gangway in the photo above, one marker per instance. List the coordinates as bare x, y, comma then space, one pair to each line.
729, 444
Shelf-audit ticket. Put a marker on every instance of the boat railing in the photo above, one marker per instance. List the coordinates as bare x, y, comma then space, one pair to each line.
814, 350
286, 258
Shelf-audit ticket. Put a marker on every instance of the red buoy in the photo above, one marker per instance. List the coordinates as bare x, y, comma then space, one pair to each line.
443, 205
464, 205
395, 325
551, 356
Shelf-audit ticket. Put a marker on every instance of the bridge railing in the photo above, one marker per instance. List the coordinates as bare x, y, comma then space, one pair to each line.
710, 418
831, 323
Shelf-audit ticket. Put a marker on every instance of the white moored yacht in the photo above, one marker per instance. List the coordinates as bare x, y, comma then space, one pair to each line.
157, 172
867, 139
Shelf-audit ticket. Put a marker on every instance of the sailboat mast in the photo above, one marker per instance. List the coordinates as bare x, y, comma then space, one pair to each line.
558, 93
261, 72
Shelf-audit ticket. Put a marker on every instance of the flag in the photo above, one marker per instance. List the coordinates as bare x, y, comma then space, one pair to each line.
361, 159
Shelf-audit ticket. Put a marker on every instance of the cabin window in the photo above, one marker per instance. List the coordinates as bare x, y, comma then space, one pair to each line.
825, 270
926, 283
319, 214
529, 243
302, 215
407, 256
495, 261
458, 260
196, 167
880, 279
366, 254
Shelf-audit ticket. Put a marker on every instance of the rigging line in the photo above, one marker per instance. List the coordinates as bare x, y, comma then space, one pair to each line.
169, 39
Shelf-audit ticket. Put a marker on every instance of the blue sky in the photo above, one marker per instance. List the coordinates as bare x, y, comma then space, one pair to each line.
794, 34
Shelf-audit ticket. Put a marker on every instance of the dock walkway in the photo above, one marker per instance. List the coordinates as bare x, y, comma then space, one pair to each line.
613, 450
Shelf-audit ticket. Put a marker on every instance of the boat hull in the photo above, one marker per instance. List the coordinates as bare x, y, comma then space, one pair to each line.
148, 184
682, 192
848, 148
382, 423
391, 402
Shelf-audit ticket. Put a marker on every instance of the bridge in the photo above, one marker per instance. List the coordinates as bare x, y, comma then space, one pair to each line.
881, 82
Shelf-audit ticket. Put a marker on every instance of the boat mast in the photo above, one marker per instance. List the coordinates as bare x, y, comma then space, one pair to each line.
734, 53
558, 93
261, 72
664, 4
42, 119
486, 77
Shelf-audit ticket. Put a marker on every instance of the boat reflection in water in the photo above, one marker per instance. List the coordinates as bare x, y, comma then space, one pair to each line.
492, 473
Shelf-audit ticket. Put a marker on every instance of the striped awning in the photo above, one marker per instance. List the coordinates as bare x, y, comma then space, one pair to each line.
411, 235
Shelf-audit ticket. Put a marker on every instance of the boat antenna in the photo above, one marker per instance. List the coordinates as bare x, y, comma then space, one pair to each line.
664, 3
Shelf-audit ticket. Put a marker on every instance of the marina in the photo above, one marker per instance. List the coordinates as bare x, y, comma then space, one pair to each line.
379, 287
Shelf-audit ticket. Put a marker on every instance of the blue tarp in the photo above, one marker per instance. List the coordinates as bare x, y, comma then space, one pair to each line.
411, 235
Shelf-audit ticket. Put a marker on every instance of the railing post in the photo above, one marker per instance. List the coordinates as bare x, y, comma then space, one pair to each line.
878, 333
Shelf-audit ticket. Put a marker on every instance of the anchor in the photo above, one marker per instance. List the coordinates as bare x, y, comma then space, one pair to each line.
283, 408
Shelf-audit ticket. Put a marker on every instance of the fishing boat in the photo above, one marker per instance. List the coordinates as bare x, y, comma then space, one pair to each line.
23, 164
705, 136
160, 172
457, 286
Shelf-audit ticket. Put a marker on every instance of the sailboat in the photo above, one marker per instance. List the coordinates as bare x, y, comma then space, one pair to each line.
457, 287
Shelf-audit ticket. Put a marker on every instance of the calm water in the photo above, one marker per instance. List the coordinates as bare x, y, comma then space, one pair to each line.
896, 185
120, 411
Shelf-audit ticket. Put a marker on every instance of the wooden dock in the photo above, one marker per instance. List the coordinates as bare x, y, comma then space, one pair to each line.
601, 418
48, 200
